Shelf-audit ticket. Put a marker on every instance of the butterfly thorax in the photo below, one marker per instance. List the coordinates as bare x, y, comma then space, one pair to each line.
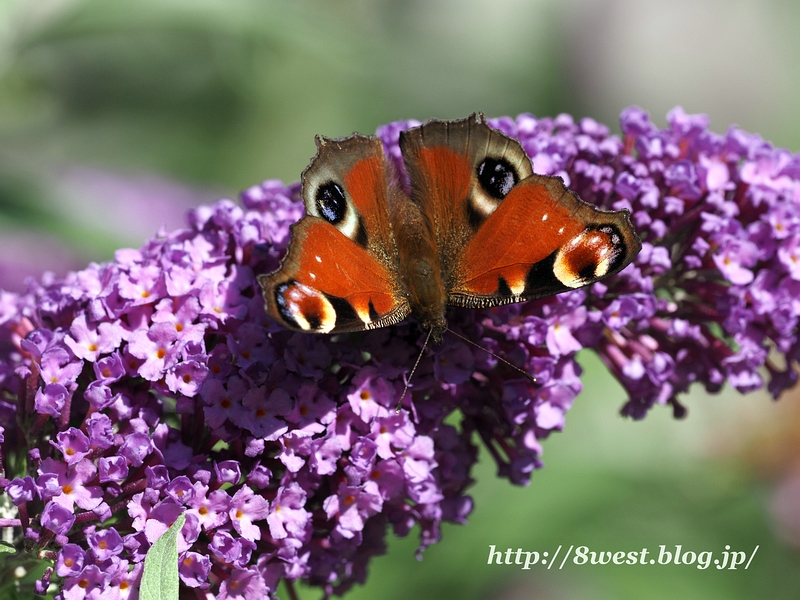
420, 268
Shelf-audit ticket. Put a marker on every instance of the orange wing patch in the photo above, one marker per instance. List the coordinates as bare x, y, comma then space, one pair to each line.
447, 173
439, 176
365, 182
327, 283
527, 227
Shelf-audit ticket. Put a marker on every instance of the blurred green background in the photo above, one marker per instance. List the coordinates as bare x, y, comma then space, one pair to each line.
115, 117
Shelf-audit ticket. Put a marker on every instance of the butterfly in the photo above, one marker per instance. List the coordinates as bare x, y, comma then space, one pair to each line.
478, 229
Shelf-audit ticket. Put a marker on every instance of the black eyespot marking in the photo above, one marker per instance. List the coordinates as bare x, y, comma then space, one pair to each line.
331, 202
497, 177
587, 271
616, 243
280, 302
314, 320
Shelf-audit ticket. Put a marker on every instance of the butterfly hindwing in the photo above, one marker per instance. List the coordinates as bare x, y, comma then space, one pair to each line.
339, 273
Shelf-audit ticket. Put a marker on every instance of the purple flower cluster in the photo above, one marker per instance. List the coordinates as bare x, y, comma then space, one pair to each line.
153, 386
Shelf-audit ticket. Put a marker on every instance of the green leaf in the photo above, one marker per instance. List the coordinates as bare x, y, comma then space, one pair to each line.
160, 577
6, 548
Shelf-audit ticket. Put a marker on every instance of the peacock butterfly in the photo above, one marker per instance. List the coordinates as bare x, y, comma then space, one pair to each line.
478, 229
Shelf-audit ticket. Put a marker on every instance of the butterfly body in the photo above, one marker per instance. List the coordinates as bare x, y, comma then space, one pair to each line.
478, 229
419, 267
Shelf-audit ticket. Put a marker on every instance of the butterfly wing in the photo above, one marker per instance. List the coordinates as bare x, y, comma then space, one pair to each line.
460, 171
540, 241
340, 271
504, 234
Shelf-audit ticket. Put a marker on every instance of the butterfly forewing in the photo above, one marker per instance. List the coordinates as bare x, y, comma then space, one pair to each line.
347, 184
339, 273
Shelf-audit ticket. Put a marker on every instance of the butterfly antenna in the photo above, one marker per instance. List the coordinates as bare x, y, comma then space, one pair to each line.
490, 353
411, 374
